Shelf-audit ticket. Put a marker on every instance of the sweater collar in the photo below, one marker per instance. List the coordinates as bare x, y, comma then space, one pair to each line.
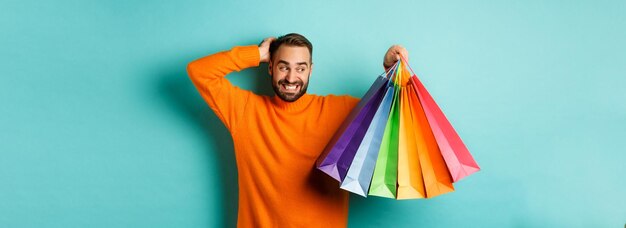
297, 105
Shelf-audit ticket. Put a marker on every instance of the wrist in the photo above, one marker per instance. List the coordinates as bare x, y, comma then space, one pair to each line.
248, 56
263, 55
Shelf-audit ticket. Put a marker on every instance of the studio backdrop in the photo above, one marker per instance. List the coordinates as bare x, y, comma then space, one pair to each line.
100, 125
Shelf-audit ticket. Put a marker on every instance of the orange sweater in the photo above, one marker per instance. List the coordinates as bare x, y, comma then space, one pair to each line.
276, 144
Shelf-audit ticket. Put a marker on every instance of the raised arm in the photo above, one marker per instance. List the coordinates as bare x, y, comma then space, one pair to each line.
208, 75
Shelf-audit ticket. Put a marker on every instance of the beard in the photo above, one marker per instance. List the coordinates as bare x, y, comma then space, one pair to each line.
289, 96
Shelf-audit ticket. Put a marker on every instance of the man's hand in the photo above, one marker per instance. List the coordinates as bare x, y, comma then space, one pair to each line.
264, 49
393, 55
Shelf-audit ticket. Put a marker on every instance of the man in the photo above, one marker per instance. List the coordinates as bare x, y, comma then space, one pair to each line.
277, 139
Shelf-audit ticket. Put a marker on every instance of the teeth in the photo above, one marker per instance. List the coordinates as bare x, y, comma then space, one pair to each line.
290, 87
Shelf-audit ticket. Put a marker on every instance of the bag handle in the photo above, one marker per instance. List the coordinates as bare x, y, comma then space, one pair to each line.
407, 63
391, 70
390, 73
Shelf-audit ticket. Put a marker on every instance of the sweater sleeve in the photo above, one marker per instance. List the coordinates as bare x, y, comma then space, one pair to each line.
208, 75
350, 102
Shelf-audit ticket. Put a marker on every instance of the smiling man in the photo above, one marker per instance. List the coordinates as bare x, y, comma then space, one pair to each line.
277, 139
290, 79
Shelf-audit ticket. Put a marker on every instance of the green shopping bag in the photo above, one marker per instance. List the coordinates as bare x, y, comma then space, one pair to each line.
385, 178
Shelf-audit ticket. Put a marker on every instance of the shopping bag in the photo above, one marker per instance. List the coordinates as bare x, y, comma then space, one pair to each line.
339, 152
385, 176
436, 177
410, 178
348, 155
459, 161
359, 174
397, 143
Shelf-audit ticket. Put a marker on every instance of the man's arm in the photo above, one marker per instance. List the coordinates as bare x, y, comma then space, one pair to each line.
208, 75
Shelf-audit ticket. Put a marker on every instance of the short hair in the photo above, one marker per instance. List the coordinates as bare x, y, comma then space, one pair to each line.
291, 39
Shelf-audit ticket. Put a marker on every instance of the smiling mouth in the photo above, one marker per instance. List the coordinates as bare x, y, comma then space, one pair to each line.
290, 88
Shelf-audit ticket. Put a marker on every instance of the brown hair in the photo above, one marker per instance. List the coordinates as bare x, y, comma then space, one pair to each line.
291, 39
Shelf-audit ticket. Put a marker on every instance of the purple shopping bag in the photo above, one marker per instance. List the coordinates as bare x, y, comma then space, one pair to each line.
360, 173
339, 152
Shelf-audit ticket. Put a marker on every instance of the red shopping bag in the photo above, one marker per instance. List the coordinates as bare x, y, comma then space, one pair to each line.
459, 161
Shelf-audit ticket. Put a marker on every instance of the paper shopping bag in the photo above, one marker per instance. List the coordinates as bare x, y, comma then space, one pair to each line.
339, 152
410, 178
459, 161
435, 174
359, 174
384, 179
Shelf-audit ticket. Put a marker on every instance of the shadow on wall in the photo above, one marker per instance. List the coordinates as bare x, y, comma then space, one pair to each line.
179, 93
361, 208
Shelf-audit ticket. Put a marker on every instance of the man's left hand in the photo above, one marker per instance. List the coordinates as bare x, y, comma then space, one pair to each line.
393, 55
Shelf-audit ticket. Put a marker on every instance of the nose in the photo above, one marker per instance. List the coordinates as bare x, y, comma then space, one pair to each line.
291, 76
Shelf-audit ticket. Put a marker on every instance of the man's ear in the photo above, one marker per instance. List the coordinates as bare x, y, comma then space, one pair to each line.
269, 67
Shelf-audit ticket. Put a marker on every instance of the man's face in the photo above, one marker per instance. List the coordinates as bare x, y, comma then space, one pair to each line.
290, 69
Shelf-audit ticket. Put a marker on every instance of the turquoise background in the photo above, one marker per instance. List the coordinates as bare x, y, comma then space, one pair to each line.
101, 127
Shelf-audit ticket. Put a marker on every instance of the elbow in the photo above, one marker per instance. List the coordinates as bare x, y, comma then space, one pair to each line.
191, 68
192, 72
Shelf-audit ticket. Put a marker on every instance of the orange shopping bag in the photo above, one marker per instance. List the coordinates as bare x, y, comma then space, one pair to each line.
459, 161
410, 177
437, 178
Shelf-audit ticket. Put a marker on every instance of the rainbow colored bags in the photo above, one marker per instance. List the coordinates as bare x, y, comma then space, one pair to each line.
397, 143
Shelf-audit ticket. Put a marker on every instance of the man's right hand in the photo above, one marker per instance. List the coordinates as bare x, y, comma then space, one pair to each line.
264, 49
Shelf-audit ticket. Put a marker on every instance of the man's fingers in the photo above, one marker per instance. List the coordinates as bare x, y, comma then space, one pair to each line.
402, 53
399, 52
267, 41
395, 53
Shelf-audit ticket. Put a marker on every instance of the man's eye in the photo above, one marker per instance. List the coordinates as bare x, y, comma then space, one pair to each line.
300, 69
282, 68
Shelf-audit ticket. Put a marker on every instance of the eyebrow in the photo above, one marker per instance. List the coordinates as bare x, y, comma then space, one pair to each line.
298, 63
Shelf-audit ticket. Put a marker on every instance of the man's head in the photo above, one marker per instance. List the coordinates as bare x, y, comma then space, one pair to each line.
290, 66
